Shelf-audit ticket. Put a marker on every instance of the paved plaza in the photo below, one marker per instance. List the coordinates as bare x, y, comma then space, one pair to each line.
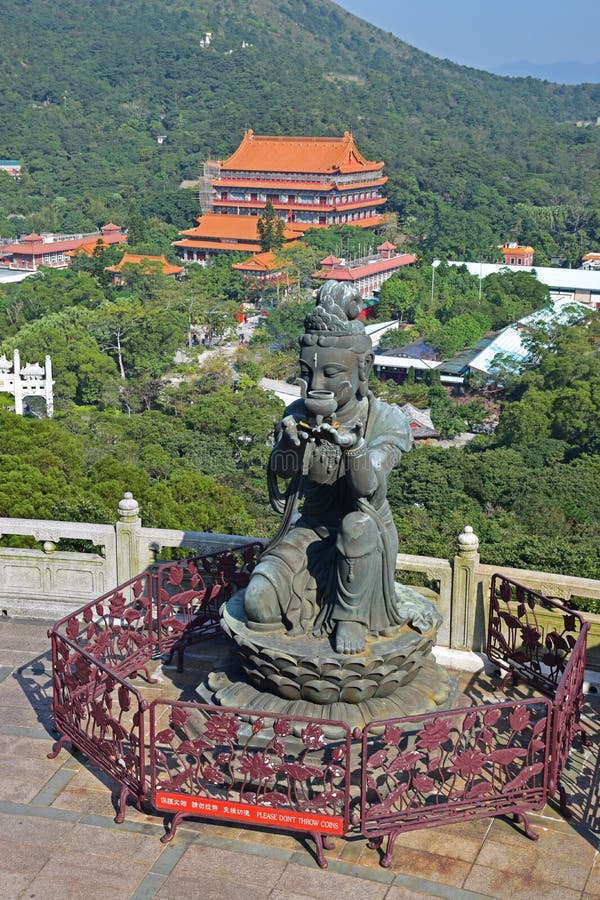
58, 838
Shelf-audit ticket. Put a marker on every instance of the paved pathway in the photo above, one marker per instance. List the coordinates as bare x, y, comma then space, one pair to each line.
58, 838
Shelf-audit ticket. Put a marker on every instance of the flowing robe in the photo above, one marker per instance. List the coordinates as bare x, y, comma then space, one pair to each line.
303, 565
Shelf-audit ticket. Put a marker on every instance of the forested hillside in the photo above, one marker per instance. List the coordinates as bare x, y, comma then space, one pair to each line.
473, 158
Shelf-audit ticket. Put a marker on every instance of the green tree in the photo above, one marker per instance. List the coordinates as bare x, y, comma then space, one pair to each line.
114, 326
270, 229
399, 297
136, 228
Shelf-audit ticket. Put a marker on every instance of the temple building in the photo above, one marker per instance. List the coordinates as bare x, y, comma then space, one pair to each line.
56, 251
311, 182
219, 233
368, 272
591, 261
260, 266
146, 265
515, 255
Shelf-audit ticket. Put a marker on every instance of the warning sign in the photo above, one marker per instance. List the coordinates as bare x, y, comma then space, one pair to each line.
291, 819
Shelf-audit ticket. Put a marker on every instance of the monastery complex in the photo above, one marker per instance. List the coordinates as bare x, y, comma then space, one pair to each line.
311, 181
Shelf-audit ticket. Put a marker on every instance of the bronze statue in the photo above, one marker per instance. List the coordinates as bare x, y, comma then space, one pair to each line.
327, 577
330, 570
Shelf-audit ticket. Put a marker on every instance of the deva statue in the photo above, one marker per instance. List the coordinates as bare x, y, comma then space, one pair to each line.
330, 569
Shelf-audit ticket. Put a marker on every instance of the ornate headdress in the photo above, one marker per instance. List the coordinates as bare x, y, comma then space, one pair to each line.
336, 317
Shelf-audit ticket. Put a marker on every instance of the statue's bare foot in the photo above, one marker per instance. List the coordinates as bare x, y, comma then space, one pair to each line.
350, 637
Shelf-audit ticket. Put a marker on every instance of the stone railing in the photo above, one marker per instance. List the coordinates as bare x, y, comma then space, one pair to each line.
49, 582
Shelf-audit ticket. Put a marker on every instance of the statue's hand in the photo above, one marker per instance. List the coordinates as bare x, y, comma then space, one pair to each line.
289, 430
341, 436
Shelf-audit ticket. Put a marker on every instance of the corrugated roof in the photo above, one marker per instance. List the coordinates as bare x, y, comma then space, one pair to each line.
404, 362
319, 155
554, 279
416, 350
460, 363
507, 343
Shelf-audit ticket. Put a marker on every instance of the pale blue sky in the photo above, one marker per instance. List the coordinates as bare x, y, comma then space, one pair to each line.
482, 33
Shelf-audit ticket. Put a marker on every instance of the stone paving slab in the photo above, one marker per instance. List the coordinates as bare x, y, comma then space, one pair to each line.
58, 838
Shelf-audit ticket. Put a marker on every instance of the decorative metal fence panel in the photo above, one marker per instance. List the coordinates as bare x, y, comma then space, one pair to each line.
452, 765
116, 629
530, 635
277, 771
568, 702
100, 714
190, 593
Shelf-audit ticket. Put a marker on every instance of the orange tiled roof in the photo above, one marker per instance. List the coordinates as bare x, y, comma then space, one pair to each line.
30, 247
350, 273
517, 250
259, 262
108, 238
88, 247
322, 155
221, 226
137, 259
34, 245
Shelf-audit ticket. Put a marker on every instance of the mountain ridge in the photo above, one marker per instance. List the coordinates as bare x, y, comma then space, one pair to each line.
88, 89
568, 72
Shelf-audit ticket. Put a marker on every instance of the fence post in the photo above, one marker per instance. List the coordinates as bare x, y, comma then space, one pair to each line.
464, 590
130, 558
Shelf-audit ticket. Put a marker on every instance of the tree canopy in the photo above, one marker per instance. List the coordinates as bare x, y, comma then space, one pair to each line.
473, 160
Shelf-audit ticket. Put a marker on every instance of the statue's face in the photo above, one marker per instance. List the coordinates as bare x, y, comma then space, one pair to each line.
330, 369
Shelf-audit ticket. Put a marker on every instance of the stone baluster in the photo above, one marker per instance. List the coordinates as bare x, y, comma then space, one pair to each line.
464, 590
130, 559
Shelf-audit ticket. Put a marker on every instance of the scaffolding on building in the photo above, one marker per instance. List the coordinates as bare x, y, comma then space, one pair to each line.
212, 171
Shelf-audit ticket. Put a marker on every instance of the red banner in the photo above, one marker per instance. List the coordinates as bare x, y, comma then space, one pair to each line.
291, 819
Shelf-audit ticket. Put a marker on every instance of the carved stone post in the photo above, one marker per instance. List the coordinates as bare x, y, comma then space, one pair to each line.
18, 384
130, 561
464, 590
48, 388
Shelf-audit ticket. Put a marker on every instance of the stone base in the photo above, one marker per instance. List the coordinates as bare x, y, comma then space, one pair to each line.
275, 672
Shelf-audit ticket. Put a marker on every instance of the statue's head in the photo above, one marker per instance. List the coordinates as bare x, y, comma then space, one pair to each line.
336, 354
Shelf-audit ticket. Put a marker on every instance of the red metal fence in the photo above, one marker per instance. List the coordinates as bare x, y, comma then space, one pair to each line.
307, 774
453, 765
530, 635
278, 771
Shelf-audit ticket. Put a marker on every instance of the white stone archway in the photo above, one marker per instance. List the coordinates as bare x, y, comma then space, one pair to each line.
30, 381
